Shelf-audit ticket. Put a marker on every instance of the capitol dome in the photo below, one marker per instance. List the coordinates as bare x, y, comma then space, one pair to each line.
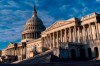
33, 27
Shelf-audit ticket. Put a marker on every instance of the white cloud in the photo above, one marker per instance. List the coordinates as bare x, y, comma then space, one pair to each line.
9, 4
47, 19
75, 10
98, 0
63, 7
18, 19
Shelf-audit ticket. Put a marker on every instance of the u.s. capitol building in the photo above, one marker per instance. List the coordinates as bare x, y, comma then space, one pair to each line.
72, 38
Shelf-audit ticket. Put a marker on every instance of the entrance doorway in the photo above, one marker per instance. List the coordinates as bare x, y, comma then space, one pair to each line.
82, 54
73, 54
96, 52
89, 53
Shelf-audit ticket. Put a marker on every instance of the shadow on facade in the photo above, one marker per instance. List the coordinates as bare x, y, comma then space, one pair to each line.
82, 52
77, 52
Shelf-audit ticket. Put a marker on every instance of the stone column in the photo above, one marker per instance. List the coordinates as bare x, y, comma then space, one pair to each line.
46, 41
57, 39
90, 36
61, 38
25, 36
87, 33
26, 50
43, 42
28, 35
97, 31
78, 35
84, 34
21, 53
50, 42
34, 35
65, 37
70, 34
98, 25
22, 37
31, 36
74, 30
53, 40
65, 42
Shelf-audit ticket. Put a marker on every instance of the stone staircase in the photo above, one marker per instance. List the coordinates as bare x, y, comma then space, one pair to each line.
40, 58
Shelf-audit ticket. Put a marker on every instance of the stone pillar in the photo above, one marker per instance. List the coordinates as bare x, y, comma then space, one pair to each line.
74, 30
34, 35
53, 40
50, 40
84, 34
78, 35
14, 51
70, 34
57, 39
30, 36
98, 25
22, 36
47, 41
21, 53
65, 37
61, 38
66, 44
97, 31
25, 51
90, 36
26, 36
43, 42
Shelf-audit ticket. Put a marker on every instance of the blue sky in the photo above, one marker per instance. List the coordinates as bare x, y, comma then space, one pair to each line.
15, 13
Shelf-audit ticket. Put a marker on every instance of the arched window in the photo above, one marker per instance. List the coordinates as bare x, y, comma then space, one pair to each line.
29, 28
89, 53
96, 52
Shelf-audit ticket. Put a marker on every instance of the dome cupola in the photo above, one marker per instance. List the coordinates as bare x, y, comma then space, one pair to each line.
33, 27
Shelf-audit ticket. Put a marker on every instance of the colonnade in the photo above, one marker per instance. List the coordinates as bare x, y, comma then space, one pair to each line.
31, 35
75, 34
88, 32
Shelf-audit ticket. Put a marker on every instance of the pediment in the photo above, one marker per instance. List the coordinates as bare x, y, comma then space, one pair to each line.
55, 25
10, 45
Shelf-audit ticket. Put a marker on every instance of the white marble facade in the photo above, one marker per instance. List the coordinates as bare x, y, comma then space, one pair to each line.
72, 38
